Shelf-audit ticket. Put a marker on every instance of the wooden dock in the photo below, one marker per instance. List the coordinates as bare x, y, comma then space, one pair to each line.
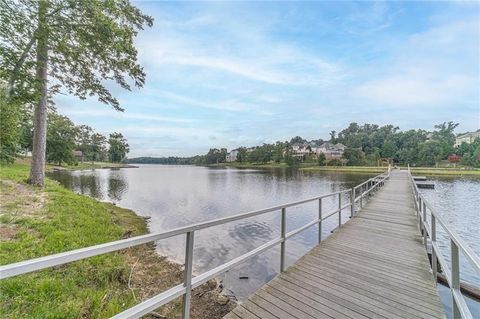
375, 266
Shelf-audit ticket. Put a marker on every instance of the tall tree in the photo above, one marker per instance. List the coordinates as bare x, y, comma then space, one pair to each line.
79, 44
60, 139
98, 148
119, 147
84, 141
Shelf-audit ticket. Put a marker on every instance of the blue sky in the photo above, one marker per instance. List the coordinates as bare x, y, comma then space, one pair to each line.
227, 74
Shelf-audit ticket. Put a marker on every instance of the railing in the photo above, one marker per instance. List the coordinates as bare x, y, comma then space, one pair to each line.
366, 189
457, 245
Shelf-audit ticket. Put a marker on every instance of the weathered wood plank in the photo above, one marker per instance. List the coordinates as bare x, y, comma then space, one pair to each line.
375, 266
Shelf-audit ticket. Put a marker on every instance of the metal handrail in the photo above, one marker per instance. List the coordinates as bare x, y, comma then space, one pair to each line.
457, 244
190, 282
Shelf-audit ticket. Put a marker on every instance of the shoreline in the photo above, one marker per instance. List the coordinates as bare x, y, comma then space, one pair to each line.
36, 222
431, 171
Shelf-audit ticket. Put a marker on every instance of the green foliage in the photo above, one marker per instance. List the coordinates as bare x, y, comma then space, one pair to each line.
92, 145
242, 155
291, 160
215, 156
261, 154
118, 147
60, 139
431, 152
88, 41
10, 132
321, 160
354, 157
278, 151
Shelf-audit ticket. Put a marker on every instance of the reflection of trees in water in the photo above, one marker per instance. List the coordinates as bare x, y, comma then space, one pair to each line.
64, 178
116, 187
90, 185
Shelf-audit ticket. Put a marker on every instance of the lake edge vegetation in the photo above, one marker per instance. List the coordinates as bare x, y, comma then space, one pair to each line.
367, 145
35, 222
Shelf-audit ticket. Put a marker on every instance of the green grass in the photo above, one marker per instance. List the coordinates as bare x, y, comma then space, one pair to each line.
92, 288
445, 171
461, 171
352, 169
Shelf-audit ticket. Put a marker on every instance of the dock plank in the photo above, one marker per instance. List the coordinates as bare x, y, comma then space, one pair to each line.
374, 266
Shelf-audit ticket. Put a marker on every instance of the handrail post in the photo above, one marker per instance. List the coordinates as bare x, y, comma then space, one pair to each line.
424, 208
339, 210
352, 202
319, 220
282, 244
455, 278
434, 241
419, 215
188, 275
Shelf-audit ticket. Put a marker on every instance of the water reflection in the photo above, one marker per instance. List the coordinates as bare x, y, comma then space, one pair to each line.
175, 196
107, 185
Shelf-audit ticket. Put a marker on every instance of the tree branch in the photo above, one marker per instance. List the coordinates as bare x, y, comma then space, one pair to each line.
18, 65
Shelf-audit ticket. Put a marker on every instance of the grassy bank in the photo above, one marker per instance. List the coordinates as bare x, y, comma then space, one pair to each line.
35, 222
445, 171
359, 169
352, 169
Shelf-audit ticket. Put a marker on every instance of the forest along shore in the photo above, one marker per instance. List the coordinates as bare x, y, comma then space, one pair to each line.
36, 222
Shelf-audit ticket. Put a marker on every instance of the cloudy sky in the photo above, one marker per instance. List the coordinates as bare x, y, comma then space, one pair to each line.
243, 73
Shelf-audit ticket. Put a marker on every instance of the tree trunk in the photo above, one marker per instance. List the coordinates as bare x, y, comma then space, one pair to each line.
37, 172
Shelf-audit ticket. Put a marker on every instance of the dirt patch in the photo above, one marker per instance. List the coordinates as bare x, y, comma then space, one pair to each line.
18, 201
152, 274
21, 200
8, 232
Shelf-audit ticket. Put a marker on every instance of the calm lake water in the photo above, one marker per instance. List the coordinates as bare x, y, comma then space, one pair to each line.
174, 196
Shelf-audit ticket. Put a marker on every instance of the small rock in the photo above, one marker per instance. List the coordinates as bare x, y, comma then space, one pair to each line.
222, 300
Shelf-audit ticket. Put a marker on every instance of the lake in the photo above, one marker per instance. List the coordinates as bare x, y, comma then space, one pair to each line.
174, 196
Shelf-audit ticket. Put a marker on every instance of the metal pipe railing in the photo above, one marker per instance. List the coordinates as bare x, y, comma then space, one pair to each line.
191, 282
457, 247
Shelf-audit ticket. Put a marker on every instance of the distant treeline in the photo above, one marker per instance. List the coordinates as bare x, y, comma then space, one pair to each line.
366, 145
172, 160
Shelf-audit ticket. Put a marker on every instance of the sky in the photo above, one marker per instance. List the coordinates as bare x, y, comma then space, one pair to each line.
230, 74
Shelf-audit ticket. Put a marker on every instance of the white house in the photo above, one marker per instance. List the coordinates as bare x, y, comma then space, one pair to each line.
331, 151
232, 155
466, 138
301, 150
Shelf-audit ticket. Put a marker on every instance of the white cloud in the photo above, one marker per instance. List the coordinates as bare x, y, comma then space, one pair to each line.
124, 115
435, 68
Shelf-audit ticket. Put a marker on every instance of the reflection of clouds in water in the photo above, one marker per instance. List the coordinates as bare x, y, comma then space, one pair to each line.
208, 258
176, 196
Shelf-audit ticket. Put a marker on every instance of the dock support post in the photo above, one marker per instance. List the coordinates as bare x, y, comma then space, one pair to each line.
339, 210
455, 278
319, 220
282, 244
352, 202
188, 275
